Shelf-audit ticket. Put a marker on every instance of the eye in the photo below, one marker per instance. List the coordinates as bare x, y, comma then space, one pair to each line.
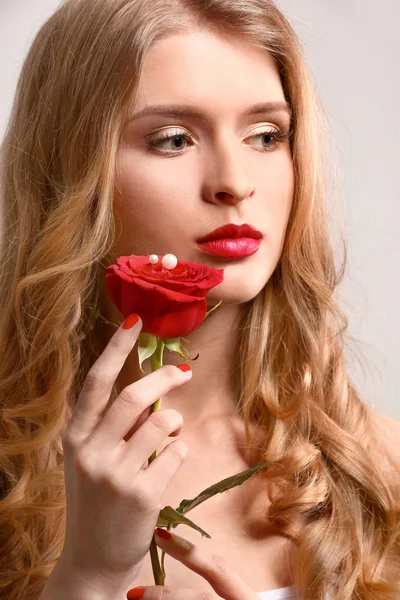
274, 137
166, 136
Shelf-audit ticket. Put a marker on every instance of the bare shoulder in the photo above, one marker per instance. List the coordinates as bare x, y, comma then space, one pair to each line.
385, 446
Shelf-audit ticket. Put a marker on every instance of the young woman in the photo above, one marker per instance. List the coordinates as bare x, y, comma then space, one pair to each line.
139, 127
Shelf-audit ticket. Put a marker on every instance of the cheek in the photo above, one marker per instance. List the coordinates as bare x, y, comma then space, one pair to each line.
158, 191
133, 185
146, 204
137, 196
280, 194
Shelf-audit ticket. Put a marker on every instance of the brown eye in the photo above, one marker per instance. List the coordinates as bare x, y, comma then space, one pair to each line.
274, 137
156, 141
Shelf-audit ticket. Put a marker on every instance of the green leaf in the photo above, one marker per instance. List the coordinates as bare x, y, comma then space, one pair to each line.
173, 344
169, 517
221, 486
146, 347
213, 308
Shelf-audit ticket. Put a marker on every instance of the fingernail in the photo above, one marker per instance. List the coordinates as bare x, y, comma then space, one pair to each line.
163, 533
179, 542
130, 321
185, 368
135, 593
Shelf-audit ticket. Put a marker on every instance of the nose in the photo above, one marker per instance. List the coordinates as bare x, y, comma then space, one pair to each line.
227, 179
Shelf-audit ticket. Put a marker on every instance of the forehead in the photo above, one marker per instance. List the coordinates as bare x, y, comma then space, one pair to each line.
202, 67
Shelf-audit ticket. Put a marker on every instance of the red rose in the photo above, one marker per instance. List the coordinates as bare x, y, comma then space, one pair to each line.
170, 302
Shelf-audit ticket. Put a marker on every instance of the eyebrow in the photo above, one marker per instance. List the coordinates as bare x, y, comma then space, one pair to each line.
190, 111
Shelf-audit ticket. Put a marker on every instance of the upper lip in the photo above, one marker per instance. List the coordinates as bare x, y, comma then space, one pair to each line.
231, 230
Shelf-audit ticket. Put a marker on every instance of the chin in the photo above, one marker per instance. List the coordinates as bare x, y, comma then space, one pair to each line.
236, 289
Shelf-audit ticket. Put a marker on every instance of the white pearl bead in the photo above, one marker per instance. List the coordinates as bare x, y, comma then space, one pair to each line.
169, 261
153, 259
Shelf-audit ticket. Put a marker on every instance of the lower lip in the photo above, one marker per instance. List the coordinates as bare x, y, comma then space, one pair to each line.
231, 247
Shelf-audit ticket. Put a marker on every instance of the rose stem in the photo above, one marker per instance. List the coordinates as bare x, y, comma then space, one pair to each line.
156, 363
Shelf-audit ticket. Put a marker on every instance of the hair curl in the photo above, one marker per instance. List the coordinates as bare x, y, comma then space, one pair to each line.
58, 158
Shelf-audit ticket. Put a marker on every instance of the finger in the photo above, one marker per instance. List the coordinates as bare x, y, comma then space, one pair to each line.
225, 582
145, 415
157, 475
132, 401
100, 379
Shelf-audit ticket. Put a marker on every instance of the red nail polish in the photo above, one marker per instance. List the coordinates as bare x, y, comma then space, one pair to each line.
135, 593
184, 367
163, 533
130, 321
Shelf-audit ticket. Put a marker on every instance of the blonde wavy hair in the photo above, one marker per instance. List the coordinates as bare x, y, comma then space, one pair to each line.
57, 176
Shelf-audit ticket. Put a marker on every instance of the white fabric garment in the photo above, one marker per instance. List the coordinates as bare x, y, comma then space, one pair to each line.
278, 594
285, 593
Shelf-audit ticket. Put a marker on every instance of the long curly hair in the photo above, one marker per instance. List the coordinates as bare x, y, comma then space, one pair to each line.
329, 496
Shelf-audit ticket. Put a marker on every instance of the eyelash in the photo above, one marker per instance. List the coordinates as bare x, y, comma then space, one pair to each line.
279, 136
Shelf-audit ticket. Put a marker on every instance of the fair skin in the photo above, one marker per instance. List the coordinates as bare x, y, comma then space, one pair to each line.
113, 497
167, 198
165, 201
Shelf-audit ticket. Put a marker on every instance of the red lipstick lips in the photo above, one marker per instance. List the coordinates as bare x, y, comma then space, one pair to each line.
232, 231
231, 241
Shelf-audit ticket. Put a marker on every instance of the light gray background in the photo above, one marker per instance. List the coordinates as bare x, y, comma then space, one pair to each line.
353, 52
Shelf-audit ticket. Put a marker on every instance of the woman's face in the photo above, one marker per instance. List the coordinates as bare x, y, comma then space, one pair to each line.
220, 166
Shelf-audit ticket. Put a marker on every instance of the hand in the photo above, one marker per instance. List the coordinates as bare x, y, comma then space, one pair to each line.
225, 583
113, 500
